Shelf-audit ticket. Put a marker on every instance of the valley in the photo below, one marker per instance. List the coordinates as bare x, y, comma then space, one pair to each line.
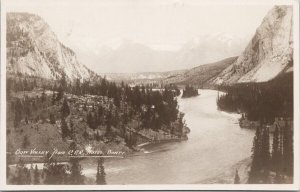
185, 125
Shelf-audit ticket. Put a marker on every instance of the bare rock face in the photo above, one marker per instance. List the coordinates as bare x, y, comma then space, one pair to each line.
269, 53
34, 50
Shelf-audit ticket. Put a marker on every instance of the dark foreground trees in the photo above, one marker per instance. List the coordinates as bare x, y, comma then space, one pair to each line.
279, 160
100, 176
260, 101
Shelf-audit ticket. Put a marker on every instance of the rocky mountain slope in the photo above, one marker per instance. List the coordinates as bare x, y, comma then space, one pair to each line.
269, 53
34, 50
198, 76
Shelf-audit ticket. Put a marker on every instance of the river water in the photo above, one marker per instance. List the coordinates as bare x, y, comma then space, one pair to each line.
215, 144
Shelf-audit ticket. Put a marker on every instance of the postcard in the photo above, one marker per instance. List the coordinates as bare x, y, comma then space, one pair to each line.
149, 95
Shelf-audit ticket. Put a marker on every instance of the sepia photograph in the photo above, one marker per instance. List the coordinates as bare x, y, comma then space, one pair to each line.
149, 94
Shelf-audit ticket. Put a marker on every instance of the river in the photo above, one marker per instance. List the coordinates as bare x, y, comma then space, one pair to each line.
215, 144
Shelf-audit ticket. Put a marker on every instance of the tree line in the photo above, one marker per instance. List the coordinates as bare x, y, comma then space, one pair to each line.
278, 159
260, 101
54, 173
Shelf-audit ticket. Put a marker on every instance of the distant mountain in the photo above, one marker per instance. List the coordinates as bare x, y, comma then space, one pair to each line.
144, 77
268, 54
209, 49
197, 76
34, 50
133, 57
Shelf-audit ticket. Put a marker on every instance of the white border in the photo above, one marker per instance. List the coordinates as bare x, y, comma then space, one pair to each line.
294, 186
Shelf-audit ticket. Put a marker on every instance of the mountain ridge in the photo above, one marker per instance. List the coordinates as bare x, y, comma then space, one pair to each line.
269, 53
129, 55
33, 49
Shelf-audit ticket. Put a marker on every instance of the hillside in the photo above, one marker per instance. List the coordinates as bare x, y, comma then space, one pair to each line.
200, 75
34, 50
269, 53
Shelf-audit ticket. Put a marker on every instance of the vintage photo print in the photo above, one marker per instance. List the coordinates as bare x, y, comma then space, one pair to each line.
149, 94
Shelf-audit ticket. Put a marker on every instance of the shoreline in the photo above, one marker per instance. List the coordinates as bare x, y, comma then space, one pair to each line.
227, 177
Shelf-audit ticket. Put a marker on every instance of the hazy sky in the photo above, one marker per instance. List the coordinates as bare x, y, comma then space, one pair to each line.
161, 24
89, 27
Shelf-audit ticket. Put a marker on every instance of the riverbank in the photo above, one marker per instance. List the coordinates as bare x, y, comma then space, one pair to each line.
227, 177
215, 143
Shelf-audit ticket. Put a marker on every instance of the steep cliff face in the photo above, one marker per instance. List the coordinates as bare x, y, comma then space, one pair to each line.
34, 50
269, 53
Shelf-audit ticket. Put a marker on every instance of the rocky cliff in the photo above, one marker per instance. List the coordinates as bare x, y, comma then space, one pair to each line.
269, 53
34, 50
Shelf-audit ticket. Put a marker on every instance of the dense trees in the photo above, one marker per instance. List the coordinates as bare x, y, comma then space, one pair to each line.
119, 109
280, 160
22, 174
189, 91
153, 108
264, 102
260, 101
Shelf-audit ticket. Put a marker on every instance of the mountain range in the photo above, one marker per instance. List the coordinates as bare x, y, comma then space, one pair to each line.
33, 49
268, 54
134, 57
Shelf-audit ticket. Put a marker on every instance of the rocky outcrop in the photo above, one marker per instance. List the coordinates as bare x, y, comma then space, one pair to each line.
34, 50
269, 53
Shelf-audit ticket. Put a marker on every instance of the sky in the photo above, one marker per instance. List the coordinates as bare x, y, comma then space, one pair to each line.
159, 24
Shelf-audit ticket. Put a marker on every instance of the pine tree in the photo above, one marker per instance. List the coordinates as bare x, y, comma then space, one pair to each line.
85, 135
36, 176
72, 132
20, 178
43, 97
276, 154
108, 124
236, 177
254, 175
64, 129
76, 177
25, 142
100, 115
97, 136
28, 176
77, 87
60, 94
53, 97
265, 154
18, 112
100, 176
65, 110
89, 118
54, 173
52, 118
288, 151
